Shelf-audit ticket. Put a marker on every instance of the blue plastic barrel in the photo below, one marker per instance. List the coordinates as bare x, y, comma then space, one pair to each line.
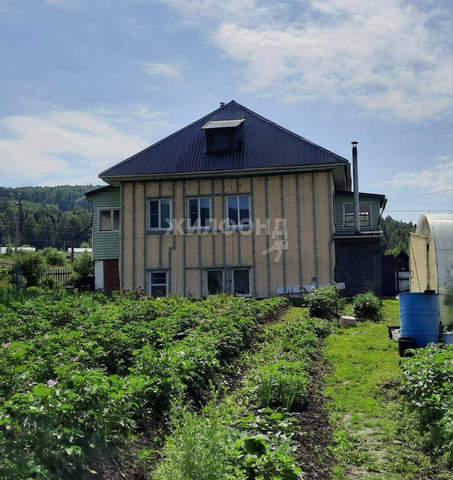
419, 314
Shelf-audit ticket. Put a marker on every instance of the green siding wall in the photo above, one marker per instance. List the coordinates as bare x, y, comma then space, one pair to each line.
342, 199
106, 245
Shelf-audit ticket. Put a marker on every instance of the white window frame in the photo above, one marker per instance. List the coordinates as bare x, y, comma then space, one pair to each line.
191, 228
237, 227
148, 217
360, 203
111, 209
250, 281
150, 284
223, 281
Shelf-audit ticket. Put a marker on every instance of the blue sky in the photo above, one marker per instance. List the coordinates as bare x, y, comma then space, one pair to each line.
86, 83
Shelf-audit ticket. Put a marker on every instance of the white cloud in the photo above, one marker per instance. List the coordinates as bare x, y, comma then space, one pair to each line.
435, 179
388, 57
238, 11
168, 70
71, 146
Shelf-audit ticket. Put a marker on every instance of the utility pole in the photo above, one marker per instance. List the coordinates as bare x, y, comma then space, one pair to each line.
72, 243
77, 236
18, 224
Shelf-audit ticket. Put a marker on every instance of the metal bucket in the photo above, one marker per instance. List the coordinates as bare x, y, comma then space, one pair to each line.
448, 338
420, 317
406, 343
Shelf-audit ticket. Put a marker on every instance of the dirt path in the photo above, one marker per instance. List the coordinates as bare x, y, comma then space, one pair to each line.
374, 438
315, 437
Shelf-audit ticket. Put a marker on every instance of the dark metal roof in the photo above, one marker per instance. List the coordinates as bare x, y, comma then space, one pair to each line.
223, 124
402, 254
264, 144
381, 196
98, 189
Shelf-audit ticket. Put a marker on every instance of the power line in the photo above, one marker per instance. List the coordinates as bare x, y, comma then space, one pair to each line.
421, 195
421, 210
13, 196
41, 229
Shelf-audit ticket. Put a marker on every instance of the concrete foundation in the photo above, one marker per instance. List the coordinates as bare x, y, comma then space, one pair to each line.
99, 275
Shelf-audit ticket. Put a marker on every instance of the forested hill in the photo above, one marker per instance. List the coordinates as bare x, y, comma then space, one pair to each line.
396, 234
50, 215
62, 196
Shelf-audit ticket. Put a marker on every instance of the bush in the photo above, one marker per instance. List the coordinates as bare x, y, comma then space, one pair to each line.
33, 267
325, 302
367, 307
83, 265
54, 257
6, 273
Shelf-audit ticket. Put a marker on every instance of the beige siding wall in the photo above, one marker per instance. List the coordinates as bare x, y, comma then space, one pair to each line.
305, 200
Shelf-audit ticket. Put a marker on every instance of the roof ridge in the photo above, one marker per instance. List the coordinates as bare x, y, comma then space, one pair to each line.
165, 138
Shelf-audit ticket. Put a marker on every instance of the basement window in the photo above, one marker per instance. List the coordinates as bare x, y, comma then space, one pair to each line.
241, 282
215, 281
365, 215
109, 220
158, 284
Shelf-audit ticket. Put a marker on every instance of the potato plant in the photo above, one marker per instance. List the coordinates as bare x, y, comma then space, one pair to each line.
80, 373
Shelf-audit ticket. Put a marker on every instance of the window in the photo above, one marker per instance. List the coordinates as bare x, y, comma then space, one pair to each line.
159, 214
158, 284
241, 281
215, 280
199, 212
238, 212
221, 140
365, 214
109, 220
223, 135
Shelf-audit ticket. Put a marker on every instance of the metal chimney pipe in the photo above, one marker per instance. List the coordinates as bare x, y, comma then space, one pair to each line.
355, 175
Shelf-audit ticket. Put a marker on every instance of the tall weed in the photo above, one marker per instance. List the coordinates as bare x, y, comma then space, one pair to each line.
428, 388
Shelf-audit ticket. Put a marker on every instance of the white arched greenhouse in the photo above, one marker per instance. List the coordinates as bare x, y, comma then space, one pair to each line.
431, 261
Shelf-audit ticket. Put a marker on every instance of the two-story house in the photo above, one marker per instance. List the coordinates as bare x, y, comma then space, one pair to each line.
233, 203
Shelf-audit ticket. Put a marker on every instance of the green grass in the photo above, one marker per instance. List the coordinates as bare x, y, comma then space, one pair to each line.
373, 436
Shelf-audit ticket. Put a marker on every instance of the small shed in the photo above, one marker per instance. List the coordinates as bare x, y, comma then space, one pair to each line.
431, 261
402, 272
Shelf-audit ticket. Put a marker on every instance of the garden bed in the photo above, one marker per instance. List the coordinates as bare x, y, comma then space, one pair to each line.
264, 427
81, 373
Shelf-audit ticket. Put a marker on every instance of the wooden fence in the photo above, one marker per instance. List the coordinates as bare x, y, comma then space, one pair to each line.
59, 274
